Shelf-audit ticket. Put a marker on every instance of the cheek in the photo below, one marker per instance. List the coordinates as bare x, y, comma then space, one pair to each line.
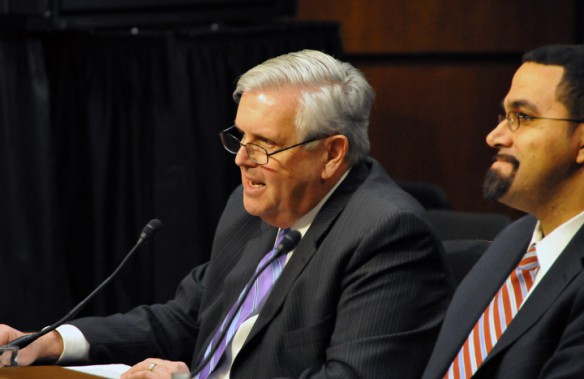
294, 178
279, 185
540, 167
291, 186
532, 154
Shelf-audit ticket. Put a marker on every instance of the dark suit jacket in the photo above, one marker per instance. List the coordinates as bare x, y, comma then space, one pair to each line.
363, 295
546, 337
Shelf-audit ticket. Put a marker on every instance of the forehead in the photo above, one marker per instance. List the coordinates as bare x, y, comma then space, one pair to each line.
264, 111
535, 85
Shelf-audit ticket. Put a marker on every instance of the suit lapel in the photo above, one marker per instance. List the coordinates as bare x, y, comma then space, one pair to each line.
563, 271
476, 291
254, 251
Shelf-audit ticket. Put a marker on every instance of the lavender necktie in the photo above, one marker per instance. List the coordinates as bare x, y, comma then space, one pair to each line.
251, 305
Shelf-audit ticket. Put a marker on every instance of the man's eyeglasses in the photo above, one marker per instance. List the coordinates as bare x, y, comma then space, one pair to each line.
256, 153
515, 119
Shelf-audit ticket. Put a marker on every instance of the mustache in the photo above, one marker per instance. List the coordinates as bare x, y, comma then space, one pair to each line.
506, 158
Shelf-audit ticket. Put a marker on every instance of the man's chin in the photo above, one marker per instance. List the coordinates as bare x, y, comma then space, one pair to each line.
250, 207
496, 185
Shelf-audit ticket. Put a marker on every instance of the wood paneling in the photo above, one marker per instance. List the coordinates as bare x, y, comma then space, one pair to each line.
440, 69
460, 26
430, 122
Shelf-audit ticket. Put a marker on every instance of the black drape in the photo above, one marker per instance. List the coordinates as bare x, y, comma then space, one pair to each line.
102, 132
32, 265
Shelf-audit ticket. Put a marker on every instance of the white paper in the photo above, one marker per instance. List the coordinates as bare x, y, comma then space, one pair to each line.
106, 371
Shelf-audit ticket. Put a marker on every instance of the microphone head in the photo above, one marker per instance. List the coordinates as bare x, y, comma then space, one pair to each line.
150, 229
289, 242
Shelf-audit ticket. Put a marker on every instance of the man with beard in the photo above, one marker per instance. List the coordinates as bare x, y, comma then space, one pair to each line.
519, 313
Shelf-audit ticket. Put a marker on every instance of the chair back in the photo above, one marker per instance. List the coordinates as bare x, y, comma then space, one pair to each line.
463, 254
458, 225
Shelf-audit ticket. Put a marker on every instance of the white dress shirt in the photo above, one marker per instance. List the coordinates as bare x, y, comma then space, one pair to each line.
550, 247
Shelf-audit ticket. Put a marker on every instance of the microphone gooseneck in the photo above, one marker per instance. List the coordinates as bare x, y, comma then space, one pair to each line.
147, 233
287, 244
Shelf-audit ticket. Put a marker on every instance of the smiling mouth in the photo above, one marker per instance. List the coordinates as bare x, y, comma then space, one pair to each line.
506, 158
255, 184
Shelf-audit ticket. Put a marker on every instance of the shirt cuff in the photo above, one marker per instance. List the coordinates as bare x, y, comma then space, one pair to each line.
75, 346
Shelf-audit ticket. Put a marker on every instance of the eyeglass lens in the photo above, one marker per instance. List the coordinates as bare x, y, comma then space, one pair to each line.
256, 153
511, 119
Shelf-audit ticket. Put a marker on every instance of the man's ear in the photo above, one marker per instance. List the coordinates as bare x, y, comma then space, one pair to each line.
580, 154
337, 149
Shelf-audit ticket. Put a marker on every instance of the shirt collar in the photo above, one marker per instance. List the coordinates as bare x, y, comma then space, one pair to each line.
550, 247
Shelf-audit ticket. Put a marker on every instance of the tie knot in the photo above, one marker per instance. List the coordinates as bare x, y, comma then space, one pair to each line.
529, 261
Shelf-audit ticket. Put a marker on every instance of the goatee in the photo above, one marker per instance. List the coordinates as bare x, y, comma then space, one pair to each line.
495, 184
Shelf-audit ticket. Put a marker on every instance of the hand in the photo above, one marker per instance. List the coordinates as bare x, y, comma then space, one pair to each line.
155, 368
49, 347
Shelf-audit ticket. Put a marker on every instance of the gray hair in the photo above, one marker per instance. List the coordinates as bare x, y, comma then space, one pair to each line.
335, 97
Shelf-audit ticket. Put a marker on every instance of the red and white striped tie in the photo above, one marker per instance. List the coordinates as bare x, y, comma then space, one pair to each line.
495, 319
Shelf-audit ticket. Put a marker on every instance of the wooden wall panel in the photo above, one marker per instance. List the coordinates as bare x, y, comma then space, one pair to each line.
440, 69
459, 26
430, 121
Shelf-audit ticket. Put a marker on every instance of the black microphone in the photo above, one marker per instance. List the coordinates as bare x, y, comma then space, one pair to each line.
288, 243
148, 232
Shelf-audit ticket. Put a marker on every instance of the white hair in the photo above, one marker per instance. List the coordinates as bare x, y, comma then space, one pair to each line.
335, 97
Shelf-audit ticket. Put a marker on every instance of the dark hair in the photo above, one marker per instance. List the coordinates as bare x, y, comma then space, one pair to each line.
570, 90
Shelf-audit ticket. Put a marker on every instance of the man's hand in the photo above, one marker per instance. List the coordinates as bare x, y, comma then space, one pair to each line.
155, 368
48, 347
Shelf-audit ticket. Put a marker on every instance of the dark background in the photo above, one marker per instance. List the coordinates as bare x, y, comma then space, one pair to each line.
110, 113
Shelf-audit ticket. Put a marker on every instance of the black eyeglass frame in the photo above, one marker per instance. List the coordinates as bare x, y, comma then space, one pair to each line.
224, 134
526, 118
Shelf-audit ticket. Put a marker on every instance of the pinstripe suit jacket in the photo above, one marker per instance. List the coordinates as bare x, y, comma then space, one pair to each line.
363, 295
546, 337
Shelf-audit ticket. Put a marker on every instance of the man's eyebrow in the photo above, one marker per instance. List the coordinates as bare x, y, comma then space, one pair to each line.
256, 138
515, 104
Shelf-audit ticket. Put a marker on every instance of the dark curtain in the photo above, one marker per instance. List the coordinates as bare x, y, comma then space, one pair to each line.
102, 132
32, 263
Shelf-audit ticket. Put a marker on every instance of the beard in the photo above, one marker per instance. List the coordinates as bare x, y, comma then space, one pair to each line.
495, 184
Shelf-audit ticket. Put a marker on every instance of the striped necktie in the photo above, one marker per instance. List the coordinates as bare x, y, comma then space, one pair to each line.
250, 306
495, 319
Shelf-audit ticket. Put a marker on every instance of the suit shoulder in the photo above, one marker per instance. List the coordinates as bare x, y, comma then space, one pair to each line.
380, 193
